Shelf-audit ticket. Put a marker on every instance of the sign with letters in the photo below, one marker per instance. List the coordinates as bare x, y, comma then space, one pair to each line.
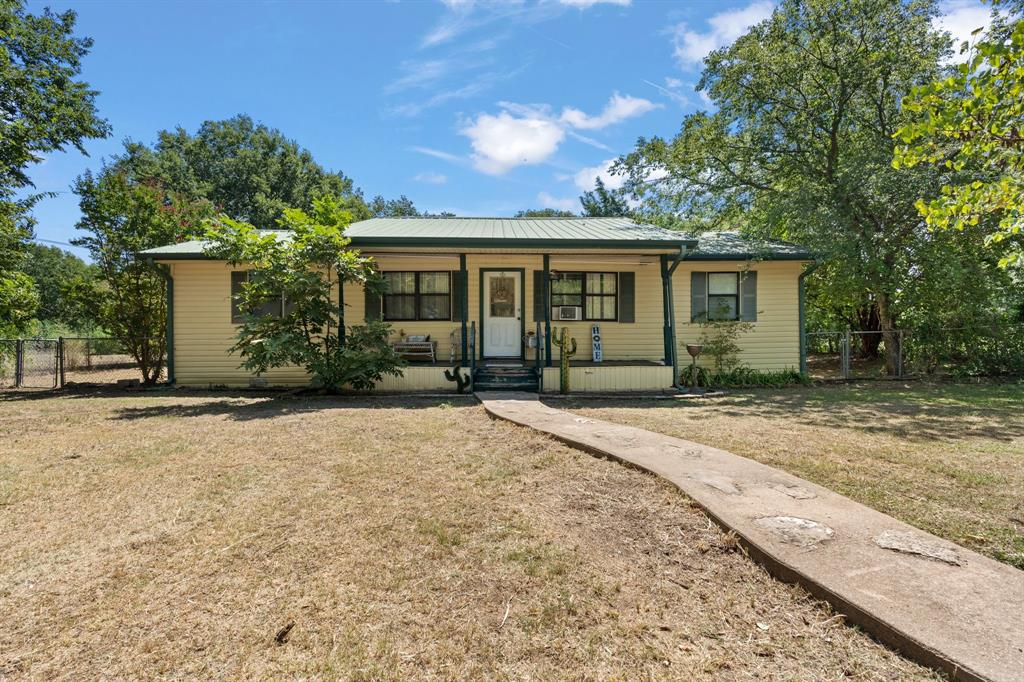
595, 338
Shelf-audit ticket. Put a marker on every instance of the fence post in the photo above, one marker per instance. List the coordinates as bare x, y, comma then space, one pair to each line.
60, 361
19, 362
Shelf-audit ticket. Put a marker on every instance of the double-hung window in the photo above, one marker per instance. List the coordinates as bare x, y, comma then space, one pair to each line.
272, 306
418, 296
595, 292
723, 296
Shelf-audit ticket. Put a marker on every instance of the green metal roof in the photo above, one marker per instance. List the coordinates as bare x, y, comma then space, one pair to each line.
530, 233
732, 246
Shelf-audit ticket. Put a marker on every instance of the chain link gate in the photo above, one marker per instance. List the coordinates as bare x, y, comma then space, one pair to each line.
29, 363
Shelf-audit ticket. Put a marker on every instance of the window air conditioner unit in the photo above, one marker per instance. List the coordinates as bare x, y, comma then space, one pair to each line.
570, 312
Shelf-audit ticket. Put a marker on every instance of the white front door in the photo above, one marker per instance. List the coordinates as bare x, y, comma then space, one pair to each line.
502, 311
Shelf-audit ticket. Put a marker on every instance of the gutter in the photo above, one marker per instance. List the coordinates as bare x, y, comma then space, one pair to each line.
803, 316
165, 273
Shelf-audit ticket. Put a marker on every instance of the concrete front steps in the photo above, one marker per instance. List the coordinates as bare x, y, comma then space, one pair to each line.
506, 378
937, 602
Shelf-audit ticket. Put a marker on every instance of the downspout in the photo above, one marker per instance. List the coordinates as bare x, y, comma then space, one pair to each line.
165, 272
341, 312
672, 317
803, 316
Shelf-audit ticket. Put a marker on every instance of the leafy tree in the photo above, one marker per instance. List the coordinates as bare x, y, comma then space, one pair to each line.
545, 213
54, 270
122, 217
305, 271
45, 109
392, 208
800, 148
247, 170
603, 202
971, 124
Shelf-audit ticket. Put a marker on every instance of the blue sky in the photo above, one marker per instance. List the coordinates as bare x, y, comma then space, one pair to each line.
480, 108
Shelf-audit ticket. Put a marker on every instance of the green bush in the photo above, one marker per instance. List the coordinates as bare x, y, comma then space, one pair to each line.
745, 377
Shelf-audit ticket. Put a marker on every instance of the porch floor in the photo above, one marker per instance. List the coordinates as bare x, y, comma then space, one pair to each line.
512, 362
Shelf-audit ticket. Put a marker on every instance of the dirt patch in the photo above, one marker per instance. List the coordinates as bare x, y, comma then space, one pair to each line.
204, 536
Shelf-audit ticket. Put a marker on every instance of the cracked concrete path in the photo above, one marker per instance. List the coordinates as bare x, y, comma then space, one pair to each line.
937, 602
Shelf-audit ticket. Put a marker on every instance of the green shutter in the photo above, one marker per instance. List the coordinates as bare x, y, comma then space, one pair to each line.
698, 296
538, 296
458, 280
627, 297
748, 296
372, 302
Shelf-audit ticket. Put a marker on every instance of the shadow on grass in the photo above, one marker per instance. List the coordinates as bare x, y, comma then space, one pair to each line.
922, 411
238, 405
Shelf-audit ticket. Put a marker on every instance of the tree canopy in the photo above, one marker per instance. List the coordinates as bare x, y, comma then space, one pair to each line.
970, 124
46, 108
545, 213
800, 147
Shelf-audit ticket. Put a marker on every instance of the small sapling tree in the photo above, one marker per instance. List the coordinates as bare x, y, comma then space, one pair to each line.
288, 303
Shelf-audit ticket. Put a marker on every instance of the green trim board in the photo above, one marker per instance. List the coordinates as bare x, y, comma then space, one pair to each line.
522, 304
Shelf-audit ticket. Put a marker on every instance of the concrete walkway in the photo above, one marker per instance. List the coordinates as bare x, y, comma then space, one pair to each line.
941, 604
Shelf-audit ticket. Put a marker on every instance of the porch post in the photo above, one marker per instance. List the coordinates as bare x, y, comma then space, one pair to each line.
666, 302
464, 312
547, 310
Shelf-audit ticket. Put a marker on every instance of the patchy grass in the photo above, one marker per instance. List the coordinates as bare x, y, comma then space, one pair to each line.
215, 536
948, 458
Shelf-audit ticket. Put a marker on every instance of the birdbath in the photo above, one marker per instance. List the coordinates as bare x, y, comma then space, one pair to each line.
694, 349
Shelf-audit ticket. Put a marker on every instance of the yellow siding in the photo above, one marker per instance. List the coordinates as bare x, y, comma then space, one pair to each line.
203, 330
615, 378
774, 342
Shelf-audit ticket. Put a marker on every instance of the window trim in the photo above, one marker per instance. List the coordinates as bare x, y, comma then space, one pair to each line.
584, 294
736, 297
417, 297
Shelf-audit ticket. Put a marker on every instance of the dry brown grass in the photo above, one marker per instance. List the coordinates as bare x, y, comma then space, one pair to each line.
153, 535
948, 458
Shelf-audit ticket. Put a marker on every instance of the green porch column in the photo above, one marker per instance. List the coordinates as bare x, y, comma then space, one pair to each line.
464, 312
547, 310
666, 310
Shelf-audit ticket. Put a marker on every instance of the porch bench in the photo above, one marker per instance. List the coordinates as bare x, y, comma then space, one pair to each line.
416, 350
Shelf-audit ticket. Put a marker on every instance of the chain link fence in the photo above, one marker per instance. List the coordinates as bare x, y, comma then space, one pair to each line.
67, 361
984, 350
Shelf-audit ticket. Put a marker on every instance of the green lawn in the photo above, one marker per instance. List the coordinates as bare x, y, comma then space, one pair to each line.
945, 457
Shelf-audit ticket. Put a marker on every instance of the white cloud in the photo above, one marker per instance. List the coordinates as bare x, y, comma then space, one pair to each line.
673, 83
526, 134
587, 4
431, 178
723, 28
505, 141
587, 177
548, 201
618, 108
959, 18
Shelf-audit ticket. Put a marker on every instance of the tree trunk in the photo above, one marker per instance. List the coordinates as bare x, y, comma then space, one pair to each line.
889, 336
867, 321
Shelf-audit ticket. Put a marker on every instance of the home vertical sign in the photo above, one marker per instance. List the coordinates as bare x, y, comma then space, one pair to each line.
595, 338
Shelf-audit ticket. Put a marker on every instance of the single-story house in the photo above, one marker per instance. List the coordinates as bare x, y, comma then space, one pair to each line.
492, 294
